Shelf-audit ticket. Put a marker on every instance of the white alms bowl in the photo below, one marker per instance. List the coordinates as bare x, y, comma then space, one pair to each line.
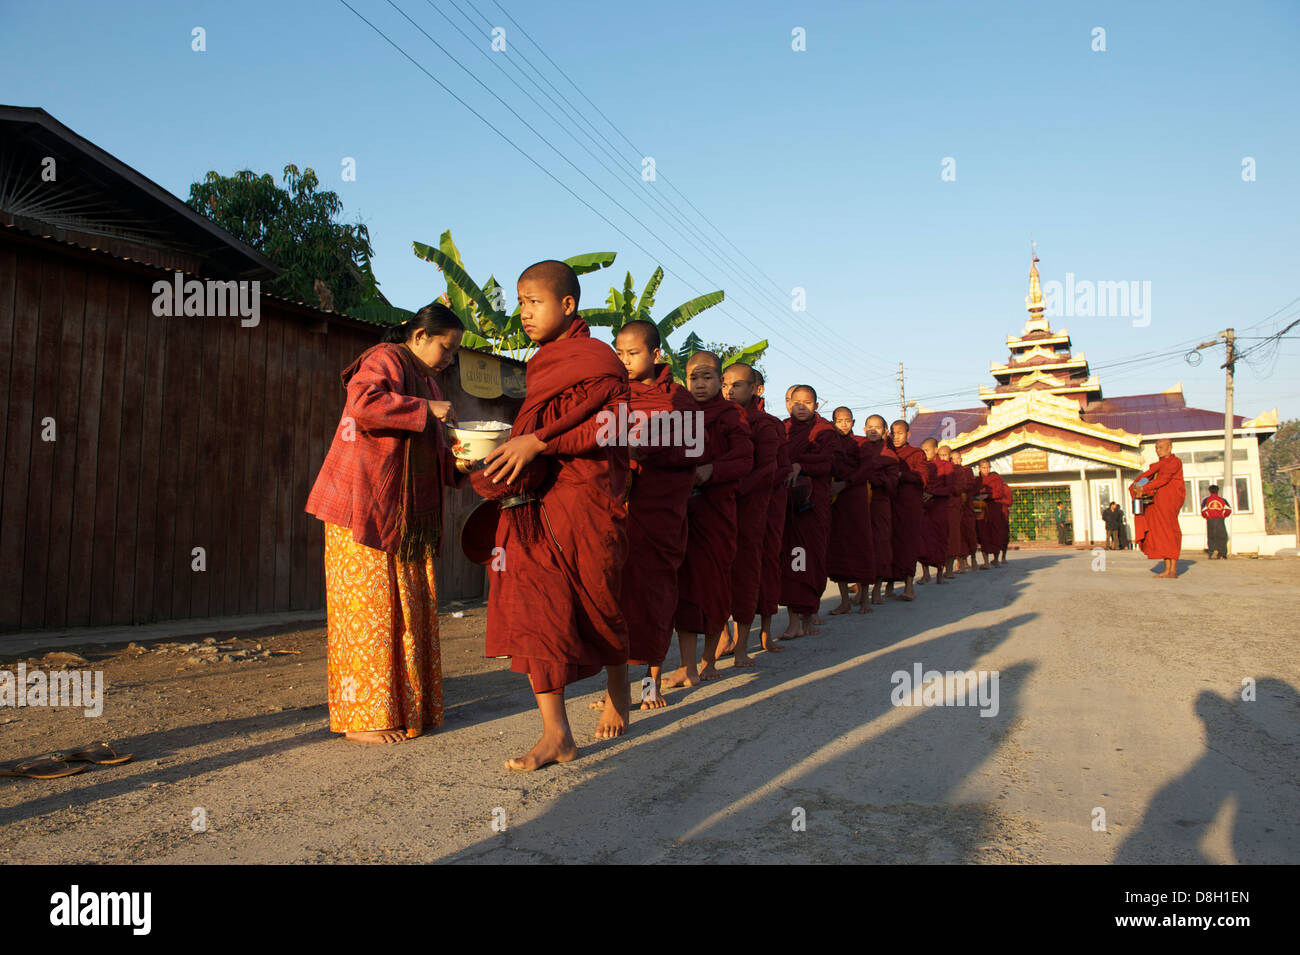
475, 440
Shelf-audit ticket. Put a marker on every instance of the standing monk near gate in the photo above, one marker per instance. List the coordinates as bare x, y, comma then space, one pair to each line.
992, 527
936, 505
1162, 537
808, 510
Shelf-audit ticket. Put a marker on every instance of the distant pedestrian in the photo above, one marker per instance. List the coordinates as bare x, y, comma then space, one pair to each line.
1113, 518
1216, 511
1062, 524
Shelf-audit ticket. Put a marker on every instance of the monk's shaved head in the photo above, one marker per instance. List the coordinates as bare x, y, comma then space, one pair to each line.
808, 388
648, 333
845, 408
555, 275
758, 378
929, 444
701, 357
1164, 448
900, 423
750, 375
879, 422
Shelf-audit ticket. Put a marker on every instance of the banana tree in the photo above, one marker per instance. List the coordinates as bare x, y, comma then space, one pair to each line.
626, 306
483, 309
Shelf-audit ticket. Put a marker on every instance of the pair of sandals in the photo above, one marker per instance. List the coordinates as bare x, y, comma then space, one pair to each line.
58, 765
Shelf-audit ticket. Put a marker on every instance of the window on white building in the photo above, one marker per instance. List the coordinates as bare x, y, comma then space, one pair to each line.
1242, 506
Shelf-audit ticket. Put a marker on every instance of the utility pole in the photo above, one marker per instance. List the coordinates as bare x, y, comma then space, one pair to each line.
903, 403
1229, 490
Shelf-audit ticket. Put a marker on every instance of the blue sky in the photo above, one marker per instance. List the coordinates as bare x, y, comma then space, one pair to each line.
820, 169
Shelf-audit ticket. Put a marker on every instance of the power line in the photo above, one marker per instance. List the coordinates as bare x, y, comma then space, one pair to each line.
523, 153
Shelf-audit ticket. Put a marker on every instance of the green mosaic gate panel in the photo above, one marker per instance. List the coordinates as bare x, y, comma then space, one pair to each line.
1033, 512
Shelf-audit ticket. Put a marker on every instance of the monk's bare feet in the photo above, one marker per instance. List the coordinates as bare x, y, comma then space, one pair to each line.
613, 722
794, 630
599, 704
651, 696
395, 735
863, 608
742, 659
818, 621
806, 623
771, 644
709, 672
844, 607
545, 752
682, 677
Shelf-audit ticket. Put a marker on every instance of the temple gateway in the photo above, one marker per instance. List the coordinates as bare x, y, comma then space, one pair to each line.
1048, 430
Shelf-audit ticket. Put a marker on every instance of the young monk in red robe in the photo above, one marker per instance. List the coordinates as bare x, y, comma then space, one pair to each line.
882, 485
936, 503
1163, 537
988, 490
752, 497
808, 513
769, 590
562, 535
908, 519
659, 485
966, 487
850, 557
704, 581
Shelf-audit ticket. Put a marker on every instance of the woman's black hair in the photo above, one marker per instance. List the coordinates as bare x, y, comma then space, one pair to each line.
435, 318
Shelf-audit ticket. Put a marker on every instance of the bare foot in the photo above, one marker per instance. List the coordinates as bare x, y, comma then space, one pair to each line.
743, 659
652, 700
709, 672
613, 722
863, 608
771, 644
793, 631
396, 734
545, 752
844, 607
682, 677
818, 621
599, 704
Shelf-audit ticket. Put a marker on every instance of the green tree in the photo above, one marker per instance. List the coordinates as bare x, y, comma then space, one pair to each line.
294, 226
1280, 451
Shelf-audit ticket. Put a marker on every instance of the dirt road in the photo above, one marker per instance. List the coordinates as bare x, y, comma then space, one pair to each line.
1118, 732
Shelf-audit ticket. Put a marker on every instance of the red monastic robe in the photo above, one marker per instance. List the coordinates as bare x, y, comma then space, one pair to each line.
553, 605
1162, 537
704, 580
961, 482
803, 572
940, 517
659, 485
753, 495
908, 518
992, 530
969, 535
850, 556
883, 484
769, 590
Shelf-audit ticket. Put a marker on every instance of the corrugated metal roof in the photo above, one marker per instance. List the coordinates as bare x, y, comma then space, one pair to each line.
937, 424
1163, 413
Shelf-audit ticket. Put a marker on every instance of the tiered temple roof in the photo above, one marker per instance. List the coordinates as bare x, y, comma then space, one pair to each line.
1040, 359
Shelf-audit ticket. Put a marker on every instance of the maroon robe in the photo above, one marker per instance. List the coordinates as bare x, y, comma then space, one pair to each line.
992, 528
960, 485
908, 519
753, 495
769, 590
883, 484
704, 579
1159, 534
940, 517
969, 536
807, 534
850, 557
659, 485
553, 602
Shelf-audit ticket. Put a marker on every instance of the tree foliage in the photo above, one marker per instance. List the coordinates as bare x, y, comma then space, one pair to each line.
295, 227
1280, 451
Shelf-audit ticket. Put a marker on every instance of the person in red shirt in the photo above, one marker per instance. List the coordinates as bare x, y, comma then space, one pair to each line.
1216, 511
379, 493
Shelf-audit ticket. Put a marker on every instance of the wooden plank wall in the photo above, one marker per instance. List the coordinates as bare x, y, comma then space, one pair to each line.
170, 434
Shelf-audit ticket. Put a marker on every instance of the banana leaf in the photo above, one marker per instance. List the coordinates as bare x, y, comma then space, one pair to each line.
459, 281
647, 300
687, 310
590, 262
748, 355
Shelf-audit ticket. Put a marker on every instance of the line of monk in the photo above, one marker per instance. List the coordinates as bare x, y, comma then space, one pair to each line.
608, 546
